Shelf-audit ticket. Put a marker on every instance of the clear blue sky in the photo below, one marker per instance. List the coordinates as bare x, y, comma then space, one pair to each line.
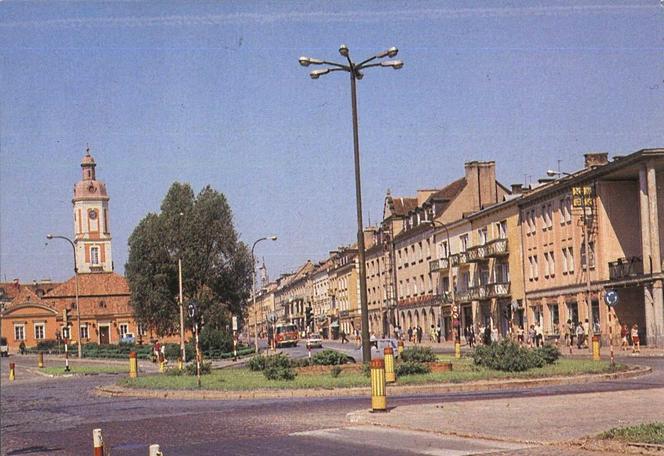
211, 93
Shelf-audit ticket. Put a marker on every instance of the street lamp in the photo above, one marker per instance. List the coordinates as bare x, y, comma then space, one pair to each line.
78, 309
355, 71
586, 251
253, 285
456, 331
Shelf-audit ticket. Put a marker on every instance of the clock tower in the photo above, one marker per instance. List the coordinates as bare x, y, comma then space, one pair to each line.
91, 223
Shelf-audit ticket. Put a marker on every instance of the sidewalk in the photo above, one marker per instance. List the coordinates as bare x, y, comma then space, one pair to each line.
541, 420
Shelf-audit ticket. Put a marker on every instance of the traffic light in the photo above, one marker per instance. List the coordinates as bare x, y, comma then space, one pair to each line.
309, 316
65, 317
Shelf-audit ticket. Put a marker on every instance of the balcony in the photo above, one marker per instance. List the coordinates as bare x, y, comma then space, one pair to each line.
499, 290
477, 253
445, 297
497, 248
625, 268
440, 264
463, 295
459, 259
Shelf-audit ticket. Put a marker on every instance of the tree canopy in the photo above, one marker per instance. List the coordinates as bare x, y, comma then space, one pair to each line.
216, 266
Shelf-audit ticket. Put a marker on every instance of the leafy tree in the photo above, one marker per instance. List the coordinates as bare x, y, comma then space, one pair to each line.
216, 266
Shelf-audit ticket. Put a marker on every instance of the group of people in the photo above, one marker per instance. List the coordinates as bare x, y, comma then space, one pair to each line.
627, 334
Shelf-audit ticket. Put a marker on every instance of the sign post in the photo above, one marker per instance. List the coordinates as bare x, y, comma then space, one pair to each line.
193, 315
611, 300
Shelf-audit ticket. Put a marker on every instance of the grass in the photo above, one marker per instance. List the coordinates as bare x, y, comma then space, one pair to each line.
85, 369
242, 379
652, 433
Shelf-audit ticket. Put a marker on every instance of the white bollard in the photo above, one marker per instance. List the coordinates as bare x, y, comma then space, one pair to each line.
98, 442
155, 451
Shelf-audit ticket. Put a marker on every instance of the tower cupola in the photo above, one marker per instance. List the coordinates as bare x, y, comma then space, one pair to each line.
88, 165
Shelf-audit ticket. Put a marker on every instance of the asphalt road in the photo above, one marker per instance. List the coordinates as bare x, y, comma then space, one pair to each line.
57, 415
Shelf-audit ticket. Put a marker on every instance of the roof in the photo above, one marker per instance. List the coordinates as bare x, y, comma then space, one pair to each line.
402, 206
92, 284
25, 294
450, 191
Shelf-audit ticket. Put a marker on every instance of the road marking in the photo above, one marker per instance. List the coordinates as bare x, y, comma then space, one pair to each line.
412, 441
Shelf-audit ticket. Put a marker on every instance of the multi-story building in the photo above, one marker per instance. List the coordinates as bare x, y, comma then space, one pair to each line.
618, 204
344, 287
321, 299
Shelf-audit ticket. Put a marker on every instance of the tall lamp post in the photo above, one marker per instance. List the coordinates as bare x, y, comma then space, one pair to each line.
78, 310
355, 71
586, 252
253, 285
456, 331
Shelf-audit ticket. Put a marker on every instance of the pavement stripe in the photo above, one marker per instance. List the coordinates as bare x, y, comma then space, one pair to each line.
412, 441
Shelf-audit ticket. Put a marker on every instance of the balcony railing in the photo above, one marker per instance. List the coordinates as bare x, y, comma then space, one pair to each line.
463, 295
440, 264
477, 253
624, 268
458, 259
499, 290
497, 247
482, 292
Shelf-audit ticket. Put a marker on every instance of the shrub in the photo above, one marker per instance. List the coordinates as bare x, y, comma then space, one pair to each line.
412, 368
304, 362
549, 353
257, 363
45, 345
279, 373
335, 371
215, 339
329, 358
509, 356
190, 369
418, 354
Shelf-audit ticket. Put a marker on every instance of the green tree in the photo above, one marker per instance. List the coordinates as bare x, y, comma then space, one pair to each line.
216, 266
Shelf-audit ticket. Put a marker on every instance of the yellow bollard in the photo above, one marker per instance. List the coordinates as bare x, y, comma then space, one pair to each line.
596, 356
40, 360
162, 366
457, 349
400, 347
180, 363
12, 372
155, 450
390, 375
378, 399
133, 365
97, 442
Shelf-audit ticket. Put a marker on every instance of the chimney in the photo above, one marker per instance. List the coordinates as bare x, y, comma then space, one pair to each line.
517, 189
481, 180
595, 159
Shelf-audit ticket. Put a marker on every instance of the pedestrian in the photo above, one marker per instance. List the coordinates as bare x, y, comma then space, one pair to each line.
487, 335
344, 339
531, 336
470, 336
358, 340
571, 329
539, 335
519, 334
410, 334
580, 335
438, 334
636, 342
419, 334
624, 331
432, 334
586, 332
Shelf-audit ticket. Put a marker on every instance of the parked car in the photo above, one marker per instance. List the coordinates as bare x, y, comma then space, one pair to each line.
4, 348
314, 341
128, 338
377, 350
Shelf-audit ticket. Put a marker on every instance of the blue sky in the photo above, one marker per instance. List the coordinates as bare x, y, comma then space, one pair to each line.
211, 93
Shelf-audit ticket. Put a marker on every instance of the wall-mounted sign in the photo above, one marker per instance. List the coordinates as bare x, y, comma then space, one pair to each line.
583, 196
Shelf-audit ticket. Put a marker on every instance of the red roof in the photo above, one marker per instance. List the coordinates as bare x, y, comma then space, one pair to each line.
92, 284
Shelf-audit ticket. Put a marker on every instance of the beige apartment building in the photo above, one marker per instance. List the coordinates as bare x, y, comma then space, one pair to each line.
622, 214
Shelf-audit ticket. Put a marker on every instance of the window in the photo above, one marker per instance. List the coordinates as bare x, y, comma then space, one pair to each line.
535, 267
591, 253
39, 331
124, 329
531, 271
546, 264
19, 332
545, 224
563, 257
552, 265
465, 280
482, 235
94, 255
84, 332
502, 272
570, 260
501, 228
428, 248
555, 318
484, 275
568, 210
443, 250
464, 242
549, 215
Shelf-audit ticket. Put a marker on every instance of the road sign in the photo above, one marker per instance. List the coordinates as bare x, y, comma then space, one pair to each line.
234, 323
272, 317
611, 298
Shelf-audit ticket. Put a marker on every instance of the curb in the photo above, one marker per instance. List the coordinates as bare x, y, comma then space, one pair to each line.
394, 391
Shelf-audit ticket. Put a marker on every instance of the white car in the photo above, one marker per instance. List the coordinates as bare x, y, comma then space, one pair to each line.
314, 341
377, 349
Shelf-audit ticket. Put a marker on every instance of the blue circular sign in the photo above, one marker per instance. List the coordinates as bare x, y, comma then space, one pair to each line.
611, 298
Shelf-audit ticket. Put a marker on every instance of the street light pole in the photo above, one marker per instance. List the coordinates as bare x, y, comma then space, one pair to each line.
253, 286
78, 309
355, 73
182, 349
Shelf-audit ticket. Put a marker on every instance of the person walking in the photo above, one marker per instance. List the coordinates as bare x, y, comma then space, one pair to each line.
571, 329
470, 336
419, 334
636, 342
580, 336
487, 335
586, 332
531, 336
539, 335
410, 334
519, 334
624, 332
438, 333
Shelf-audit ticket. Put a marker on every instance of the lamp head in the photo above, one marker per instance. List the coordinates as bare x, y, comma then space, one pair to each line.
552, 173
343, 50
392, 52
396, 64
318, 73
49, 236
305, 61
273, 238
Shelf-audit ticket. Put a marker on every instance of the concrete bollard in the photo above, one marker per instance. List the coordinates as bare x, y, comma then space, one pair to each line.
457, 349
97, 442
596, 355
133, 365
155, 450
12, 372
40, 360
400, 347
390, 375
378, 399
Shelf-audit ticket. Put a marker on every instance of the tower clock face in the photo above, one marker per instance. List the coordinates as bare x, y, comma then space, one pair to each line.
92, 214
